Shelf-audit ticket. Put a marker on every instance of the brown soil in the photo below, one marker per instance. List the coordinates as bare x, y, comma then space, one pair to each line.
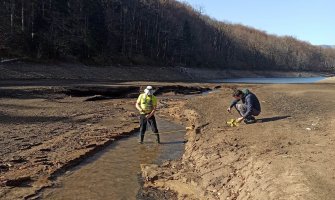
42, 137
286, 155
47, 129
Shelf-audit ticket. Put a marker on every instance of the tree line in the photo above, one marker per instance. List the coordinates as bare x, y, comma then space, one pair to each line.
146, 32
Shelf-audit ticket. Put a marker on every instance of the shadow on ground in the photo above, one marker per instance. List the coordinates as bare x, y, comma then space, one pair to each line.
271, 119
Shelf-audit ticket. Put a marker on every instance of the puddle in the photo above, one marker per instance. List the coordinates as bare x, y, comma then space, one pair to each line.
115, 172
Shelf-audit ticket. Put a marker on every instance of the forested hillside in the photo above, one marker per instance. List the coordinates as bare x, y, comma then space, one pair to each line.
146, 32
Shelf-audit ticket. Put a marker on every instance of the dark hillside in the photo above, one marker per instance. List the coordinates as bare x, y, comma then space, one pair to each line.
146, 32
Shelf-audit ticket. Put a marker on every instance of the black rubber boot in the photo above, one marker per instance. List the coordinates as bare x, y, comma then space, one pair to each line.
250, 120
141, 139
158, 139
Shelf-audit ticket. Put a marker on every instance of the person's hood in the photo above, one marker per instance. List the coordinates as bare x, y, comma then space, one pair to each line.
149, 90
245, 92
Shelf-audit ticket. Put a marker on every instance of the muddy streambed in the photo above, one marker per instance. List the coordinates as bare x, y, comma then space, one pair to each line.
115, 172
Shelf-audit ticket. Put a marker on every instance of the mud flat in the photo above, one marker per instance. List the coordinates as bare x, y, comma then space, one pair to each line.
48, 126
46, 130
287, 154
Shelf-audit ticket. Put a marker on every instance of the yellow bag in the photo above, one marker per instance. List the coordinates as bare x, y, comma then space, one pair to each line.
232, 123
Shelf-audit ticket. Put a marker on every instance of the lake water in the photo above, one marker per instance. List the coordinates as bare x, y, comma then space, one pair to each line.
272, 80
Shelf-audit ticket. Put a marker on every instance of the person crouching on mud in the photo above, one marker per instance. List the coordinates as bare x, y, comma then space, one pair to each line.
146, 104
249, 108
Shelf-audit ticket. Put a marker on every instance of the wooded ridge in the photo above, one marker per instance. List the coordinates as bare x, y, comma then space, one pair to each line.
146, 32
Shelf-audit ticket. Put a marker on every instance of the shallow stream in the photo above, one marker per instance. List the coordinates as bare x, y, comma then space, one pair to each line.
115, 172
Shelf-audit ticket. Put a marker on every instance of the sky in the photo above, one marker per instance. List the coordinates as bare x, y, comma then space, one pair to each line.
308, 20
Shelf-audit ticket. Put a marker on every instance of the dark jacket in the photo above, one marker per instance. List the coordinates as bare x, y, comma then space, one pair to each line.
250, 100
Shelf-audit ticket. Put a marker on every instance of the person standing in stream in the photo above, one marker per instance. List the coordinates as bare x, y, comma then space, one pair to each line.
146, 104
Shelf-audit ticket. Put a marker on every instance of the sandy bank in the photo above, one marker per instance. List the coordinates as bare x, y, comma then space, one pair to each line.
328, 80
287, 155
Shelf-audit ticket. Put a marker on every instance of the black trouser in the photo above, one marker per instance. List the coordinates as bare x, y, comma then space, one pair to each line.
143, 126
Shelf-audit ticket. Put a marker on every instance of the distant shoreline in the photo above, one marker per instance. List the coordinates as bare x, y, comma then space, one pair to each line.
77, 73
328, 80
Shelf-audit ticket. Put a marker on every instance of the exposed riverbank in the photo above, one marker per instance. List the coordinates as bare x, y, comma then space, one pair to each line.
47, 130
328, 80
78, 73
286, 155
51, 123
